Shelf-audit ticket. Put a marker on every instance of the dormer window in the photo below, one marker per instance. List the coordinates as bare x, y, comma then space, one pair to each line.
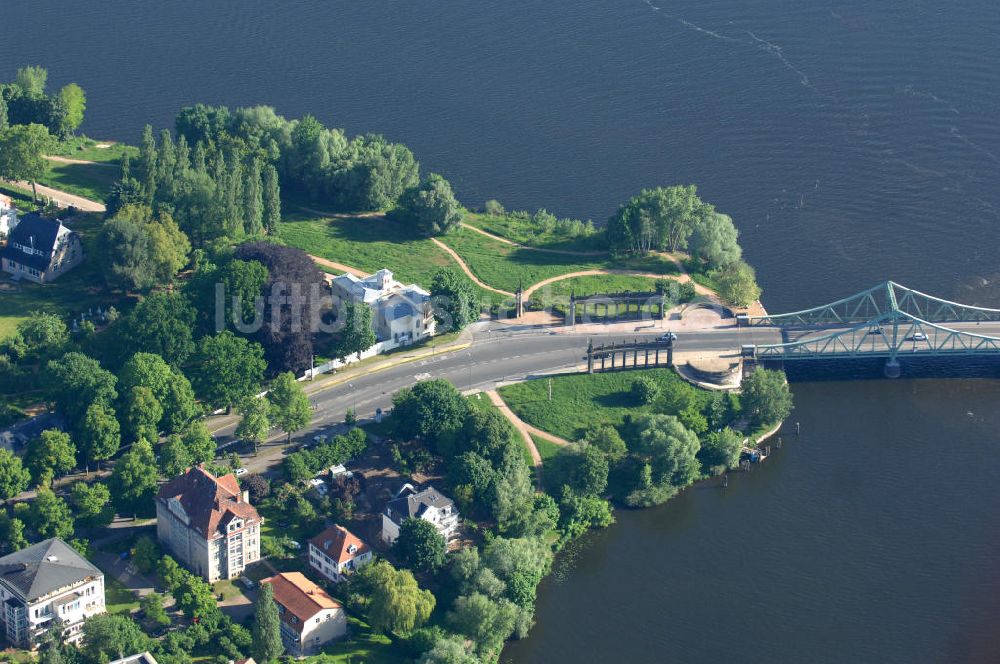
235, 525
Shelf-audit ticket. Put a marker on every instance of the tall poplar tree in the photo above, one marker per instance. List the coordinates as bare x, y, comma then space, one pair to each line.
267, 645
253, 200
272, 200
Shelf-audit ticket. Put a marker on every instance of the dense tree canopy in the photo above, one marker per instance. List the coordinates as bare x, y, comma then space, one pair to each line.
714, 239
139, 251
22, 153
431, 409
455, 301
227, 369
420, 546
660, 219
431, 208
766, 396
395, 602
737, 284
290, 407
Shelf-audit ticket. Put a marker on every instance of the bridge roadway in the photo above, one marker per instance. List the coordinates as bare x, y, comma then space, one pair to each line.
500, 355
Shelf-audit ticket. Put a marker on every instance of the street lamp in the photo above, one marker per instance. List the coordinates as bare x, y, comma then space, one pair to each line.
470, 370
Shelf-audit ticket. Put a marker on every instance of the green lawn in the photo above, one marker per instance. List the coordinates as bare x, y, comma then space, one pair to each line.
504, 266
546, 448
368, 244
92, 181
85, 149
524, 231
580, 401
363, 646
600, 284
118, 598
75, 292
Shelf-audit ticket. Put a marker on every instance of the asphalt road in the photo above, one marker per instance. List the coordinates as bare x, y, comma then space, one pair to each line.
498, 356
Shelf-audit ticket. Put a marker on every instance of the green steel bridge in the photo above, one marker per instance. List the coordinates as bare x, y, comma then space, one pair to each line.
888, 320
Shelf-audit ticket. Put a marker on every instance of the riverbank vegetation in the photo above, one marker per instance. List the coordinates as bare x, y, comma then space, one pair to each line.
644, 435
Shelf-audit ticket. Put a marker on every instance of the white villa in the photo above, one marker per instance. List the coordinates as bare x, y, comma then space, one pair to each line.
48, 586
428, 504
401, 314
310, 618
8, 216
336, 552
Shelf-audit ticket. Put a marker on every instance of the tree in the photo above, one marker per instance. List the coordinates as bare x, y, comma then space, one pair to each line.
109, 636
22, 154
74, 101
290, 407
431, 409
766, 397
195, 597
487, 622
646, 389
420, 545
358, 334
32, 80
175, 457
77, 381
258, 486
267, 645
395, 602
607, 439
99, 434
134, 479
152, 608
51, 651
721, 449
431, 207
50, 455
146, 554
50, 516
448, 650
199, 442
737, 284
454, 300
255, 423
139, 251
271, 199
11, 533
41, 336
14, 478
669, 448
715, 240
581, 467
141, 414
229, 369
657, 219
92, 503
124, 192
161, 324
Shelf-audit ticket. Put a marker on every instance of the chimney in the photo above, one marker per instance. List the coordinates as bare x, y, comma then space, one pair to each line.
245, 496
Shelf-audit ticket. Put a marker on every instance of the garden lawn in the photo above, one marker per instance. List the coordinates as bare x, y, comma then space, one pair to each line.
85, 149
599, 285
92, 181
546, 448
580, 401
74, 292
363, 645
526, 232
118, 598
506, 267
368, 244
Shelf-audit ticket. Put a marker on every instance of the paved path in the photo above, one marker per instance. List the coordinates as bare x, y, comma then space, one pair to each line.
522, 428
565, 252
465, 268
62, 198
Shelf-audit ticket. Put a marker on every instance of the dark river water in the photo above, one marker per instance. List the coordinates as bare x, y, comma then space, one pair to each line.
852, 141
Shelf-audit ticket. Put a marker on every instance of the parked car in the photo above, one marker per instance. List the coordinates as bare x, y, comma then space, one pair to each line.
666, 337
239, 472
295, 545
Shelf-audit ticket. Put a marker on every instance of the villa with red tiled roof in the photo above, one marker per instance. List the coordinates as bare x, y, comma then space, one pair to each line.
336, 552
310, 618
208, 523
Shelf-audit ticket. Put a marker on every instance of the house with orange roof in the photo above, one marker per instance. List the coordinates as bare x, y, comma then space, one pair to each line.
310, 618
208, 523
336, 552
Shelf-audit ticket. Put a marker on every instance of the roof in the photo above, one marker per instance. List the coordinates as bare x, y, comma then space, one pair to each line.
336, 541
412, 503
44, 568
141, 658
209, 502
36, 231
301, 598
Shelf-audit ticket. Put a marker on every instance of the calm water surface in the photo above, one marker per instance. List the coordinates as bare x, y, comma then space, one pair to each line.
851, 141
